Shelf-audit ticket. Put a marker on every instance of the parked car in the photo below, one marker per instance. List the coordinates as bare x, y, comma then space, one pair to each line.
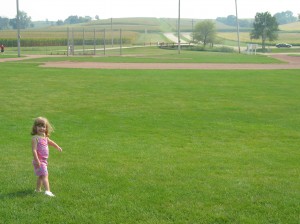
283, 45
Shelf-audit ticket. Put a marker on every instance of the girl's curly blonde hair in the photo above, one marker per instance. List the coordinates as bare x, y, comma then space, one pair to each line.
42, 121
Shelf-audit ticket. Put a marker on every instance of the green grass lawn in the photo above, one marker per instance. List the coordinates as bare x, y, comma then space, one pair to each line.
7, 56
152, 146
286, 50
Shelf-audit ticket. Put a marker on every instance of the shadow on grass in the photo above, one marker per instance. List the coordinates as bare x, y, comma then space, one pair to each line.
17, 194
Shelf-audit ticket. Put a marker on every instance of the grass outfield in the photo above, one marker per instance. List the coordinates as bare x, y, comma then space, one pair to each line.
152, 146
156, 55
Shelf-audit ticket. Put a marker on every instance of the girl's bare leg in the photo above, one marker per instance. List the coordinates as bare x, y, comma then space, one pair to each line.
39, 183
47, 187
46, 183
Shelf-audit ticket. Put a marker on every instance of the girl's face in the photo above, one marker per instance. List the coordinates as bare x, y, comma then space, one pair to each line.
41, 129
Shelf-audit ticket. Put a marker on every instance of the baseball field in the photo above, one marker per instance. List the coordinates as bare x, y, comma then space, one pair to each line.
153, 145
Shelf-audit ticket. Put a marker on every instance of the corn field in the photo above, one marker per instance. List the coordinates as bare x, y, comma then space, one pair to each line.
66, 41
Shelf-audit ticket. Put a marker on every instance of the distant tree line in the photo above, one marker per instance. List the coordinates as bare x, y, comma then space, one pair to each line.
231, 21
4, 23
25, 21
75, 20
281, 18
285, 17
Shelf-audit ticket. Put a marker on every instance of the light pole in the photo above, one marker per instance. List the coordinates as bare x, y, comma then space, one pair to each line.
264, 35
237, 26
18, 27
193, 29
178, 27
111, 32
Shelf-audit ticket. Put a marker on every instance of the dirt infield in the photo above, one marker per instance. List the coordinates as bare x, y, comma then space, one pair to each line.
292, 62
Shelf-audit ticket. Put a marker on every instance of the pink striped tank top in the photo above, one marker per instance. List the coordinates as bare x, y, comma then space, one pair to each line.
42, 148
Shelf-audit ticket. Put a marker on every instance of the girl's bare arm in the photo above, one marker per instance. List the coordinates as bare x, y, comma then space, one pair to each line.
34, 152
52, 143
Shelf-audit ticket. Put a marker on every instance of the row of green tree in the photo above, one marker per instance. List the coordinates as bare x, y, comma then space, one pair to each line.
281, 17
231, 21
265, 27
74, 20
25, 21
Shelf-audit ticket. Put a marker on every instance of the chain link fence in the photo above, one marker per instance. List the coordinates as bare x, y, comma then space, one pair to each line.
67, 41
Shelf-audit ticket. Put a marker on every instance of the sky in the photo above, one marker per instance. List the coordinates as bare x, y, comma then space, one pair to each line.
53, 10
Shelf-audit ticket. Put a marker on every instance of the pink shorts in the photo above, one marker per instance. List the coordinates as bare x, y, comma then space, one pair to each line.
42, 169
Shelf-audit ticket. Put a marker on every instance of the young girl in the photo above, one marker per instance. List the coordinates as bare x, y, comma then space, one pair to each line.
41, 131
